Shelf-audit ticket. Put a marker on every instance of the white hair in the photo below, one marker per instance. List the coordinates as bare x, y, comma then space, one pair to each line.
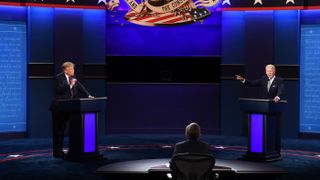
270, 66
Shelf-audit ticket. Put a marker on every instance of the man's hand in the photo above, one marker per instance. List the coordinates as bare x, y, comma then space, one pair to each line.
73, 81
90, 96
276, 99
238, 77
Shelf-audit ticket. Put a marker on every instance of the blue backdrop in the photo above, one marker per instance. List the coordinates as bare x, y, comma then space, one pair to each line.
13, 63
310, 81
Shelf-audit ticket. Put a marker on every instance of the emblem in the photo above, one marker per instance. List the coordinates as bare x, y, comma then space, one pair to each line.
165, 12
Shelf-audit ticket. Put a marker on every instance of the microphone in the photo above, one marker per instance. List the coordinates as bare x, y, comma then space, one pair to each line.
84, 89
72, 78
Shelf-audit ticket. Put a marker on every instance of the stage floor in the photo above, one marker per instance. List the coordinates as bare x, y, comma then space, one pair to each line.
33, 157
159, 168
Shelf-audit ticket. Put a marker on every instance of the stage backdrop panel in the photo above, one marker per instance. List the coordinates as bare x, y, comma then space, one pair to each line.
13, 76
310, 81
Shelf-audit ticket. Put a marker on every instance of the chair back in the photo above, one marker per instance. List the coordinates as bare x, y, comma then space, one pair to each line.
189, 166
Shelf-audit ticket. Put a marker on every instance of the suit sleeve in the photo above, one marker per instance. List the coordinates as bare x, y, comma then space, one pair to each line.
61, 86
280, 88
176, 151
257, 82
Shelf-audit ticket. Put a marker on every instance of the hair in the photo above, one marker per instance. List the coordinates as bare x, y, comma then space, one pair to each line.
193, 131
271, 65
67, 64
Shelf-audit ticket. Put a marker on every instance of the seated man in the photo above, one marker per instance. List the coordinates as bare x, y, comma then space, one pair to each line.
191, 158
192, 144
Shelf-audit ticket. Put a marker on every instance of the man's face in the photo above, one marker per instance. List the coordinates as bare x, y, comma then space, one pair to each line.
69, 71
270, 72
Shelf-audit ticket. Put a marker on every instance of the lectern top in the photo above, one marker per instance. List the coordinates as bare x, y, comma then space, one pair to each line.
95, 98
84, 99
266, 106
82, 104
261, 100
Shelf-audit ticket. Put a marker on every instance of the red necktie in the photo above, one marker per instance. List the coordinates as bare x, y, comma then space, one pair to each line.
71, 89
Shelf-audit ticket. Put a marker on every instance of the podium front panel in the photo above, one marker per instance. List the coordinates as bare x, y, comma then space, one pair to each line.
256, 133
89, 132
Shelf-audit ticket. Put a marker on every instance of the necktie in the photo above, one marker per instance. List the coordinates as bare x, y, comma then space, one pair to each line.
71, 89
269, 84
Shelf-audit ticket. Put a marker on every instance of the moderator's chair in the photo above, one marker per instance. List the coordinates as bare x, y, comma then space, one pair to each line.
188, 166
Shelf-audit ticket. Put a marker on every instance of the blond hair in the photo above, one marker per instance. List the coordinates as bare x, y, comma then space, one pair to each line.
67, 64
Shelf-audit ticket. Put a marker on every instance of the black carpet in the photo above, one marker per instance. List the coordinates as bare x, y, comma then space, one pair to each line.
32, 158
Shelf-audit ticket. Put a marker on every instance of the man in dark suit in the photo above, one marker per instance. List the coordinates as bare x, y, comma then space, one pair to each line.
66, 87
272, 87
192, 144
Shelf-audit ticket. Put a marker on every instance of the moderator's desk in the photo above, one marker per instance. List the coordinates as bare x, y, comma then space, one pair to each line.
158, 168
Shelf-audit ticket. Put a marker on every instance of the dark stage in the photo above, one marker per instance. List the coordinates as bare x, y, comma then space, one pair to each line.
32, 158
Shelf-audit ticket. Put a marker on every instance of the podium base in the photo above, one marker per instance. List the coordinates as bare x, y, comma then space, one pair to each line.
84, 157
260, 157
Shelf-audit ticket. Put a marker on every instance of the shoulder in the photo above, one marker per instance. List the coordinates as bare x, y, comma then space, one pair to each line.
278, 79
204, 143
181, 143
60, 75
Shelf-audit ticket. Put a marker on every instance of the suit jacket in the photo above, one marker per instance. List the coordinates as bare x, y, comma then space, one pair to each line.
63, 91
192, 146
276, 88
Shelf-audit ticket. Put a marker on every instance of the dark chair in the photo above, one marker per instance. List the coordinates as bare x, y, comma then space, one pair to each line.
188, 166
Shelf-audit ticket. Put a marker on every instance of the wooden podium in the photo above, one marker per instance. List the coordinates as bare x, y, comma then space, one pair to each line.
264, 137
83, 126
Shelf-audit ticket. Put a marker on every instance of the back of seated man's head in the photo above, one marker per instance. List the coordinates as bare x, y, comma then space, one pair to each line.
193, 131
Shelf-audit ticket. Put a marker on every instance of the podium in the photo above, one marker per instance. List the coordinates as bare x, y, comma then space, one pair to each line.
264, 138
83, 126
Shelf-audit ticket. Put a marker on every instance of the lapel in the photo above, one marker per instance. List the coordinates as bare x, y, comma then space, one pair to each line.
274, 82
65, 78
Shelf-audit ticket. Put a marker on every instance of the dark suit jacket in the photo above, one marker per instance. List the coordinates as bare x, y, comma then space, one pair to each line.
276, 88
192, 146
63, 91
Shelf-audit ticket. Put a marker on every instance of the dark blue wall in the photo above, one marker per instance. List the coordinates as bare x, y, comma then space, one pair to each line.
286, 37
9, 13
94, 35
41, 32
40, 96
233, 52
286, 53
233, 37
162, 108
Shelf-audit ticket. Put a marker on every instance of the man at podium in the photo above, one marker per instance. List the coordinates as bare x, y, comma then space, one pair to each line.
272, 87
66, 87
